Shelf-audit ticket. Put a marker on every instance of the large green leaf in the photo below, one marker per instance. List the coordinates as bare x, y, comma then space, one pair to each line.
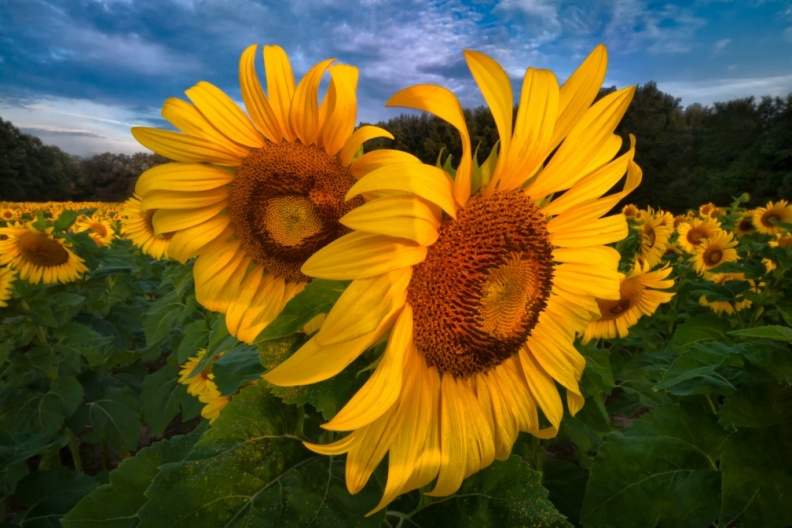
775, 332
250, 470
161, 398
114, 417
699, 369
661, 471
702, 327
757, 477
317, 298
508, 493
50, 494
45, 412
116, 505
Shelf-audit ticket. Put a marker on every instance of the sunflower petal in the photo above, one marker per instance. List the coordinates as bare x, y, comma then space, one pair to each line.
280, 87
224, 114
375, 159
401, 216
182, 177
355, 141
496, 88
172, 220
261, 113
192, 122
304, 112
181, 147
339, 122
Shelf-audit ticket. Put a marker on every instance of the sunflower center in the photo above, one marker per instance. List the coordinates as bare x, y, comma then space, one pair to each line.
99, 229
713, 256
285, 203
630, 292
695, 236
746, 225
42, 250
767, 217
651, 237
479, 293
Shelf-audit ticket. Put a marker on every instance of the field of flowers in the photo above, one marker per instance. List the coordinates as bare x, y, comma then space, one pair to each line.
124, 402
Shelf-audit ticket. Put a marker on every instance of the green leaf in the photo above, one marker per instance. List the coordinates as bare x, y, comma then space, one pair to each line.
21, 446
160, 398
702, 327
566, 483
317, 298
50, 494
163, 316
116, 505
759, 404
598, 368
661, 470
775, 332
250, 470
78, 339
114, 418
45, 412
54, 309
508, 493
697, 370
65, 220
236, 368
195, 335
757, 477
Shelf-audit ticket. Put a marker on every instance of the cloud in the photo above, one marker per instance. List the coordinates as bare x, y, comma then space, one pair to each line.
46, 130
721, 44
667, 29
711, 91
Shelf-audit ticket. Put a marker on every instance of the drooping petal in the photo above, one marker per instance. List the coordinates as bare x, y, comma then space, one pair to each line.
280, 87
339, 122
304, 113
256, 102
356, 140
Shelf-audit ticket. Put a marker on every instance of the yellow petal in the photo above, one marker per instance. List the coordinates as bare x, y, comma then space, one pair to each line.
304, 113
158, 199
536, 117
171, 220
280, 87
192, 122
444, 104
430, 183
356, 140
253, 96
402, 216
598, 280
542, 388
362, 255
579, 91
339, 123
181, 147
496, 88
182, 177
382, 389
189, 242
567, 232
224, 114
379, 158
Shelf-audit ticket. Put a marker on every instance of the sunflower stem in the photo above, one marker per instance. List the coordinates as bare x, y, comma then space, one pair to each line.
711, 405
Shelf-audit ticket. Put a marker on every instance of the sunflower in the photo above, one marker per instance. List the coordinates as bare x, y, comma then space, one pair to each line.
254, 197
136, 226
214, 403
639, 295
7, 276
655, 232
39, 255
482, 282
694, 232
714, 251
196, 382
99, 229
740, 302
779, 211
9, 214
630, 210
744, 225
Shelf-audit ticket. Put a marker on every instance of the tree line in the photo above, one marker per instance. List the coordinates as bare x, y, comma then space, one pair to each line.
689, 156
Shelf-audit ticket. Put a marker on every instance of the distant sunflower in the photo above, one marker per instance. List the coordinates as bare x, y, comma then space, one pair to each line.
714, 251
7, 276
136, 225
741, 302
482, 282
655, 232
99, 229
744, 225
639, 295
256, 196
779, 211
693, 233
7, 214
630, 210
39, 256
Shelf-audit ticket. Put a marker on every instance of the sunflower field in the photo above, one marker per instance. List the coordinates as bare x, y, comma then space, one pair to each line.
278, 329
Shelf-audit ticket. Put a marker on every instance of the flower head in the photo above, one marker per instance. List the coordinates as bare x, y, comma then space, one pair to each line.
482, 281
779, 211
253, 196
714, 251
136, 225
39, 255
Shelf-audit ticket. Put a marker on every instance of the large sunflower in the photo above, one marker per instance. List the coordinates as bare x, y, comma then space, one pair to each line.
639, 295
482, 281
39, 255
255, 196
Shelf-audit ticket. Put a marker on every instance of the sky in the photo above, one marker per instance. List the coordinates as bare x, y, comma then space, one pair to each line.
78, 74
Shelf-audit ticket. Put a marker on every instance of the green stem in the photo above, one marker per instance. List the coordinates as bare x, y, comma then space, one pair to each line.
74, 448
711, 405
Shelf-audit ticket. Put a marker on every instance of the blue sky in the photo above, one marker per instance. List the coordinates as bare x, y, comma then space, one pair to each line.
79, 74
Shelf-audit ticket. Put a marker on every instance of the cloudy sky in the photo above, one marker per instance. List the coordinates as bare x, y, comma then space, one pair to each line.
80, 73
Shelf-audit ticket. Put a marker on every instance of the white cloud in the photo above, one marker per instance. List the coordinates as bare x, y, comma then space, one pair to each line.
721, 44
716, 90
669, 29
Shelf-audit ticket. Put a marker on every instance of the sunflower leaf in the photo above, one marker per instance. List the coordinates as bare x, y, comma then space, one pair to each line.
116, 504
50, 494
508, 493
249, 470
775, 332
699, 369
661, 470
317, 298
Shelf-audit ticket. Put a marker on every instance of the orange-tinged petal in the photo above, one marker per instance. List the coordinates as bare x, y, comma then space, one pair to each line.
165, 199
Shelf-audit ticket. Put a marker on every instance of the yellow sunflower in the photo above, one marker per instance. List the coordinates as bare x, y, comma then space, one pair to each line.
714, 251
695, 231
741, 302
136, 225
196, 383
655, 232
7, 276
39, 256
630, 210
214, 403
254, 197
744, 225
779, 211
9, 214
639, 295
482, 282
100, 230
